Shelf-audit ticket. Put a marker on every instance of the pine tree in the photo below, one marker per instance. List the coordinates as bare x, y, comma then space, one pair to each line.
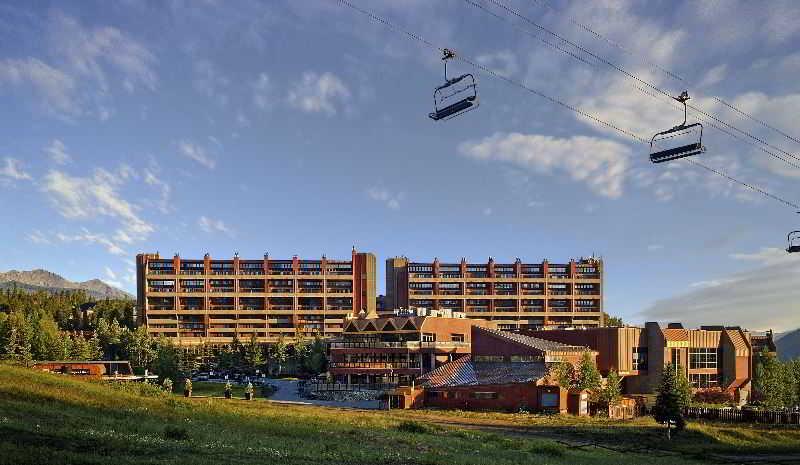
669, 402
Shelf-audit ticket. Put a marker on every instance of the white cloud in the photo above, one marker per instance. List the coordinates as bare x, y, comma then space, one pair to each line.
765, 256
152, 180
93, 238
487, 211
13, 170
88, 197
210, 82
319, 93
714, 76
503, 62
599, 163
54, 88
196, 153
37, 237
211, 225
58, 152
110, 273
759, 299
262, 90
390, 199
91, 52
654, 247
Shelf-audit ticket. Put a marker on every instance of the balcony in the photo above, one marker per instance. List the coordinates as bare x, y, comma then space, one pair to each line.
559, 292
161, 271
222, 307
281, 290
310, 290
160, 307
477, 292
376, 365
504, 292
222, 289
421, 292
281, 307
193, 289
160, 289
559, 276
505, 275
340, 290
450, 291
451, 275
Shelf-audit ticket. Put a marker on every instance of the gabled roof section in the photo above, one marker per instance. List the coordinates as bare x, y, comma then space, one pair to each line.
389, 326
410, 325
676, 334
532, 342
465, 372
351, 327
369, 326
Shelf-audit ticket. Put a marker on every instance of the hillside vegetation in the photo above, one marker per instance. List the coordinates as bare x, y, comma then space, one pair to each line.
54, 419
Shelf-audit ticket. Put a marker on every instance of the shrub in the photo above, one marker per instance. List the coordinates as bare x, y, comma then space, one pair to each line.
413, 427
166, 385
176, 433
713, 397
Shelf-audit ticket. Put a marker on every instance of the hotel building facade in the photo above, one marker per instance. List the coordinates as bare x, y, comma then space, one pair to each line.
515, 296
210, 300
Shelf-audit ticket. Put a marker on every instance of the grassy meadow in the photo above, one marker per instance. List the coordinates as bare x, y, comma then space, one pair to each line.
53, 419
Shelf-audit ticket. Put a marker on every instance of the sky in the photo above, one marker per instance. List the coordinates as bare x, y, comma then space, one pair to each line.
302, 128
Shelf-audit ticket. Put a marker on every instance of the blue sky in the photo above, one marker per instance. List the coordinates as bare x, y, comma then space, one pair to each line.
302, 128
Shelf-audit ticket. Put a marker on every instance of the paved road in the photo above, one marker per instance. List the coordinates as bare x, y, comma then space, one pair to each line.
287, 392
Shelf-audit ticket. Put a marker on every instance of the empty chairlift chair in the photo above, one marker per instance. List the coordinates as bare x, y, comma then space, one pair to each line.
681, 141
794, 242
456, 96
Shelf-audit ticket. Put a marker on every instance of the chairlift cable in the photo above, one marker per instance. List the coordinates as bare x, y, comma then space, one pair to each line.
623, 71
609, 41
580, 112
667, 72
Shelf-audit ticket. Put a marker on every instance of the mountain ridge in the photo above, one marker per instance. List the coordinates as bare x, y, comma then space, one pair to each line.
41, 279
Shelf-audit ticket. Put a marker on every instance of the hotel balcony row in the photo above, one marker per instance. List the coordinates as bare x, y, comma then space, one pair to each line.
502, 289
583, 269
249, 303
249, 286
510, 305
240, 267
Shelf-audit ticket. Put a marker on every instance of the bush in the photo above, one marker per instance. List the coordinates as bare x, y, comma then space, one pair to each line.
176, 433
413, 427
712, 397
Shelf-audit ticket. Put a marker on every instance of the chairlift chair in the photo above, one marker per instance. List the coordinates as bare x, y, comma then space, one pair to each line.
691, 133
794, 242
456, 96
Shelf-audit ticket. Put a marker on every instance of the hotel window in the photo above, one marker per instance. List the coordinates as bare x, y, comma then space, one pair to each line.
704, 380
702, 357
639, 358
457, 337
488, 358
525, 358
485, 395
428, 337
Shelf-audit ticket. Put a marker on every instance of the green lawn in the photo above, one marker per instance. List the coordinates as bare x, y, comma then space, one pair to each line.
208, 389
55, 419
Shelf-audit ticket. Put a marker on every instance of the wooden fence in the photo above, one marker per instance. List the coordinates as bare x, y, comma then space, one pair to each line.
744, 415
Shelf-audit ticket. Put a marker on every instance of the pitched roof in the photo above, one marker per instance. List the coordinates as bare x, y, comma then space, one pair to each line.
465, 372
534, 342
676, 334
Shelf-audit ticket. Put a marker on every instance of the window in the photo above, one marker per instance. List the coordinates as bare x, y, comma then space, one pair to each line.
428, 337
703, 357
704, 380
525, 358
487, 358
639, 358
485, 395
457, 337
549, 399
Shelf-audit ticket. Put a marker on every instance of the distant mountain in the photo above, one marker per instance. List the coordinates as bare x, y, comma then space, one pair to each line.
788, 345
36, 280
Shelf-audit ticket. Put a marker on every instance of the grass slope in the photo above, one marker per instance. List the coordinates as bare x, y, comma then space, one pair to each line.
54, 419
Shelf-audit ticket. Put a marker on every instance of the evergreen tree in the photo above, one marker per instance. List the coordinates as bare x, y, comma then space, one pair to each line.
587, 376
772, 386
669, 402
318, 357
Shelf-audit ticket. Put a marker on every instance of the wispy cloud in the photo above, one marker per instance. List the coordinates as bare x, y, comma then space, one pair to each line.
54, 89
599, 163
151, 179
76, 197
386, 197
262, 91
211, 225
503, 62
58, 152
37, 237
13, 170
196, 153
93, 238
317, 93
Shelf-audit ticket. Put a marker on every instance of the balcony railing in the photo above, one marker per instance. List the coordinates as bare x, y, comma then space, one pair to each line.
161, 271
397, 344
340, 291
421, 292
193, 289
311, 290
340, 307
222, 289
477, 292
160, 307
280, 307
161, 289
376, 365
193, 272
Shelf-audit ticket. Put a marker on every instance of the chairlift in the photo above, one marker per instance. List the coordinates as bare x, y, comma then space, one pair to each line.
794, 242
685, 140
456, 96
